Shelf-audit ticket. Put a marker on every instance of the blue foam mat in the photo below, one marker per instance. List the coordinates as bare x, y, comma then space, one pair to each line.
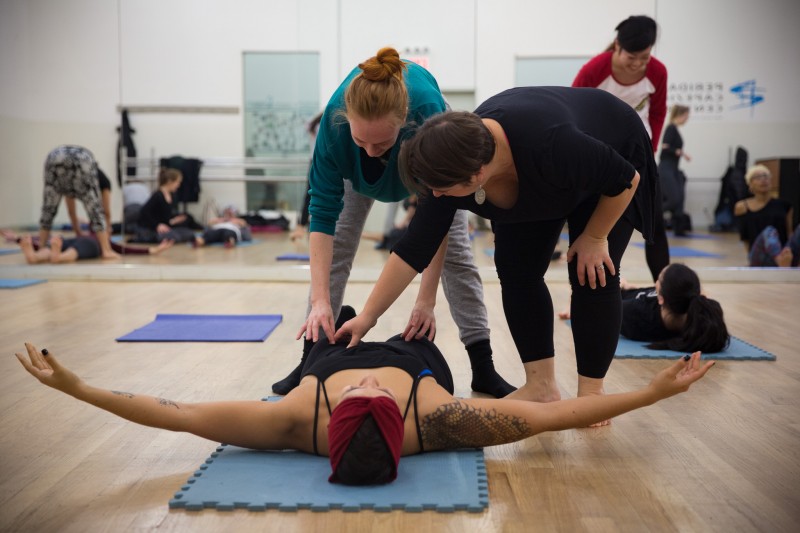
737, 350
18, 283
293, 257
236, 478
9, 251
683, 251
205, 328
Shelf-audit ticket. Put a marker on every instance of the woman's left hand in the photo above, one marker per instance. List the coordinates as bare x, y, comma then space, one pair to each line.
422, 323
354, 330
594, 263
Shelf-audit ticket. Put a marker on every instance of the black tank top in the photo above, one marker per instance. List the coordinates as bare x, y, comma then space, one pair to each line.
418, 358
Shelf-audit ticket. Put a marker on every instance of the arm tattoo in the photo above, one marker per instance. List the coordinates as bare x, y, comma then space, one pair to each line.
120, 393
457, 425
167, 403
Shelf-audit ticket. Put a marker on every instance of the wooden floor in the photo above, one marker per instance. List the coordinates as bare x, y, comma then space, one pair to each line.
723, 457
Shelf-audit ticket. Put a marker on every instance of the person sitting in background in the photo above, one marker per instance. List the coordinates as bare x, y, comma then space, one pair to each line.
765, 223
674, 315
156, 219
227, 229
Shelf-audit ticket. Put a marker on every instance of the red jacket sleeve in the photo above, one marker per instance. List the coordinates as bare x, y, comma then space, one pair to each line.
657, 73
594, 71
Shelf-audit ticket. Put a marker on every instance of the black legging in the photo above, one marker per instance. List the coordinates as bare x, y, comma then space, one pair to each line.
657, 253
522, 256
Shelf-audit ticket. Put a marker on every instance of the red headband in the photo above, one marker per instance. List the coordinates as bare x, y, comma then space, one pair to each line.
347, 418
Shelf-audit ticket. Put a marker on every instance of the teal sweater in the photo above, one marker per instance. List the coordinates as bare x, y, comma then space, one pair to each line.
336, 157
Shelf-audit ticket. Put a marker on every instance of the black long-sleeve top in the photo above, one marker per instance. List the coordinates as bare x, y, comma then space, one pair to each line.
567, 144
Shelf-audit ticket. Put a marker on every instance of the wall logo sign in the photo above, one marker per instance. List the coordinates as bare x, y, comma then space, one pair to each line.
748, 94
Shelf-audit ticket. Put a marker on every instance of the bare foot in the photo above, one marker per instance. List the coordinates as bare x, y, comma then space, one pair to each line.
199, 242
299, 232
26, 245
109, 254
592, 387
542, 392
56, 243
163, 245
9, 235
784, 259
540, 382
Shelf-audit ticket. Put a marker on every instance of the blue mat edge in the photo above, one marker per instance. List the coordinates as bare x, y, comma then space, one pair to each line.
719, 356
20, 283
483, 487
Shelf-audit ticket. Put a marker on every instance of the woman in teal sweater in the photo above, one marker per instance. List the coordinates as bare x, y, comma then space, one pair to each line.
378, 105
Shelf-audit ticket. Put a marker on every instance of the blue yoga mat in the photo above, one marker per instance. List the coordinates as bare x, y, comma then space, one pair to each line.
9, 251
236, 478
737, 350
293, 257
17, 283
205, 328
682, 251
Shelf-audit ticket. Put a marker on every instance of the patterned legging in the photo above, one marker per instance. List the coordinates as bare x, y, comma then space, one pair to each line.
71, 171
768, 244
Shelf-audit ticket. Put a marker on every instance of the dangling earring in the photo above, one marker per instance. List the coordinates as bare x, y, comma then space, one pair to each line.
480, 195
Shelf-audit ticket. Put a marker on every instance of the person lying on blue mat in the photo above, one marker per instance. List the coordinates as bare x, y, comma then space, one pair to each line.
366, 406
673, 315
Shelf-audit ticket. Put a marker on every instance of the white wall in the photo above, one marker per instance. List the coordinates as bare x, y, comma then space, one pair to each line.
66, 65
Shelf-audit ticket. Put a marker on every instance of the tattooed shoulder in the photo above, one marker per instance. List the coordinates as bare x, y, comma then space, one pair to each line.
458, 425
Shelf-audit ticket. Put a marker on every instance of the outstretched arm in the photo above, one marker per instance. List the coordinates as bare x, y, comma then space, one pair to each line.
488, 422
249, 424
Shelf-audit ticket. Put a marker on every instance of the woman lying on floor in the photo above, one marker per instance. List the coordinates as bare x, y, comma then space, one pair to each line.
366, 406
62, 250
673, 315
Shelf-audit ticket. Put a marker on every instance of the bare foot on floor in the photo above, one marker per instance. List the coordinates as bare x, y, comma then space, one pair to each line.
56, 243
542, 393
26, 245
784, 259
592, 387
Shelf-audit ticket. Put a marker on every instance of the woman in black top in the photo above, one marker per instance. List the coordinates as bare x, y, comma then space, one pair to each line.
765, 223
673, 181
156, 219
674, 315
531, 159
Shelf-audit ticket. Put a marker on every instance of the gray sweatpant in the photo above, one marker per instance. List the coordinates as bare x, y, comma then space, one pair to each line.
461, 281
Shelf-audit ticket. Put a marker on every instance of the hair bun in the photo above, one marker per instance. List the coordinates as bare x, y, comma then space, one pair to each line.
384, 65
